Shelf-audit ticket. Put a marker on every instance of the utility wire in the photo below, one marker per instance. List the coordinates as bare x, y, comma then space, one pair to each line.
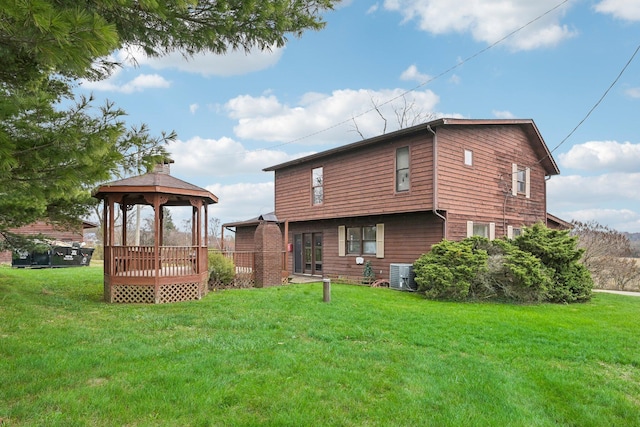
432, 79
606, 92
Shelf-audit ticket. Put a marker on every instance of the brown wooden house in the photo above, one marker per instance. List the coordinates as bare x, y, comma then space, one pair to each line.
51, 232
388, 199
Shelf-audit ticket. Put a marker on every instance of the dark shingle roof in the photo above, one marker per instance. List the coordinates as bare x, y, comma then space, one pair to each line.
154, 182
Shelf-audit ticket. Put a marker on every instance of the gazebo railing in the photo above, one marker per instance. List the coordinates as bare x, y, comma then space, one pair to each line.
140, 261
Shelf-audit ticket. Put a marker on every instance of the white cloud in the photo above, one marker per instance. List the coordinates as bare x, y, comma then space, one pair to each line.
138, 84
232, 63
633, 92
610, 199
627, 10
324, 118
603, 191
602, 155
488, 20
503, 114
236, 202
618, 219
193, 108
412, 73
374, 8
201, 157
245, 106
241, 201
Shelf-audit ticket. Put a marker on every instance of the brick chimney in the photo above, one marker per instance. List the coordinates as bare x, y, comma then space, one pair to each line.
164, 167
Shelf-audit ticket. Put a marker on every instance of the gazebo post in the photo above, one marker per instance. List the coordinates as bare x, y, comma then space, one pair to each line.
156, 247
194, 225
206, 226
160, 224
111, 226
123, 208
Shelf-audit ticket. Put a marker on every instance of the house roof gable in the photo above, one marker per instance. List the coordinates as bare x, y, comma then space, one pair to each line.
529, 127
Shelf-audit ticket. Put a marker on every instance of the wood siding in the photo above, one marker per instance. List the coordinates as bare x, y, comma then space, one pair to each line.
40, 227
360, 189
483, 192
406, 237
56, 233
358, 182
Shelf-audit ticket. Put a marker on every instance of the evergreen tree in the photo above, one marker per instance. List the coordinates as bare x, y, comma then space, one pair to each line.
54, 147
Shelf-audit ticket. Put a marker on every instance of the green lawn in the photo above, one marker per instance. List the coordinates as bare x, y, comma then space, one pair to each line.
280, 356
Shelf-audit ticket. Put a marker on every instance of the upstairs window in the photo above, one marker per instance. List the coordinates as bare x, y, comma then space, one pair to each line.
521, 180
402, 169
468, 158
317, 189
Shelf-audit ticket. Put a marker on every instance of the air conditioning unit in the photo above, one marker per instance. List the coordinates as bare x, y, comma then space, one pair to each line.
402, 277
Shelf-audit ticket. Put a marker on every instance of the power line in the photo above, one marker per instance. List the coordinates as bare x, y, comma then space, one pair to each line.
606, 92
432, 79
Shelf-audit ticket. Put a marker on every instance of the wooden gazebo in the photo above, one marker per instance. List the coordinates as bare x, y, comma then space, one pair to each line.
158, 273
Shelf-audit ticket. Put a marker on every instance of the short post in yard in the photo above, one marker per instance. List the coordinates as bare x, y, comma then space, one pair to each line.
326, 290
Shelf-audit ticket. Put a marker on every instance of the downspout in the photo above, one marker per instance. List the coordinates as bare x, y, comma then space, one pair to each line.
546, 217
435, 183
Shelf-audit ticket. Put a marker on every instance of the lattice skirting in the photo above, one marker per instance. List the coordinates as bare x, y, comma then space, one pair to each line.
132, 294
145, 294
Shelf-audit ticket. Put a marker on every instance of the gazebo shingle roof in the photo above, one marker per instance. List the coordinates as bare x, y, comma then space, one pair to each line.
154, 182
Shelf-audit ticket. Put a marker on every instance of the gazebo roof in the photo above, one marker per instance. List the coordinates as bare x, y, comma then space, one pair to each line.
133, 189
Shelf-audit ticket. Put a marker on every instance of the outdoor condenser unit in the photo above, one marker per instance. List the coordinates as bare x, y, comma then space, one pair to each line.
402, 277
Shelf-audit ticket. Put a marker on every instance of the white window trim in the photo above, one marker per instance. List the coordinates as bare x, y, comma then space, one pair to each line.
342, 240
468, 157
514, 181
379, 240
509, 231
492, 229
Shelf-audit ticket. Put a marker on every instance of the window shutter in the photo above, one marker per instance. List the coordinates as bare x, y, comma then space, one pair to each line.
341, 240
492, 231
527, 182
469, 228
379, 240
514, 179
510, 231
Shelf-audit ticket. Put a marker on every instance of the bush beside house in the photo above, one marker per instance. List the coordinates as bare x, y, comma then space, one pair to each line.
222, 270
540, 265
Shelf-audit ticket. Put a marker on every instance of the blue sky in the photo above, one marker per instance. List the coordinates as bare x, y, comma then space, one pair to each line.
238, 113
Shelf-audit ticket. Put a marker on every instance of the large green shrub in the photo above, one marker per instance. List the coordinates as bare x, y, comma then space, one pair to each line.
516, 275
558, 250
540, 265
221, 269
447, 271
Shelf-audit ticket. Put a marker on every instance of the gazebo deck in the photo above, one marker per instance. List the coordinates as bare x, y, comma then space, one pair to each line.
134, 274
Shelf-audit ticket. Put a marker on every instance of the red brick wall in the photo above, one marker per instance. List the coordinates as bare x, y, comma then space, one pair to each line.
268, 244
